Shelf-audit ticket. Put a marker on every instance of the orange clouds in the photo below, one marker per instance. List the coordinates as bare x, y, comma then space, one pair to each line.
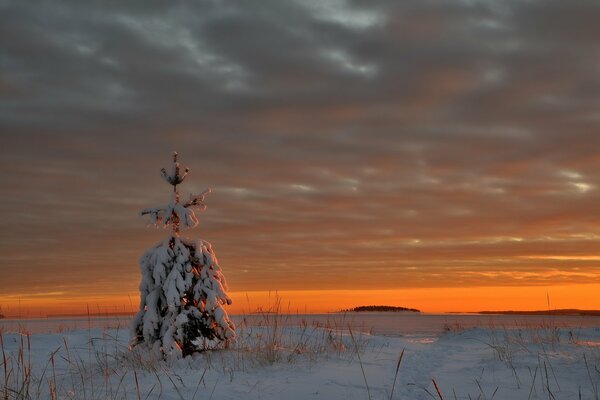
382, 146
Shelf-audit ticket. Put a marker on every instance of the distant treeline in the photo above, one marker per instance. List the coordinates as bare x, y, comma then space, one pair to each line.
568, 312
380, 308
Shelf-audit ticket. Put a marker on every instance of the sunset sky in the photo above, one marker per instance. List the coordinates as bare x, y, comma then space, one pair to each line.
430, 154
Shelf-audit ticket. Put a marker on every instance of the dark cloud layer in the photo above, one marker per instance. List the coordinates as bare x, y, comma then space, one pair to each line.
348, 144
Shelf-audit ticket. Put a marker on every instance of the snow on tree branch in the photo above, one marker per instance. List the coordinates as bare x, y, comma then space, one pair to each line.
177, 213
197, 200
183, 291
174, 176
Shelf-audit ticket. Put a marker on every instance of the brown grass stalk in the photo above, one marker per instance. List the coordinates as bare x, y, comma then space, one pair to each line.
360, 361
437, 389
396, 373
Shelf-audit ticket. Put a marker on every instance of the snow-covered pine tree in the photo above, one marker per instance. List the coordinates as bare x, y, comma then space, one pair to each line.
182, 292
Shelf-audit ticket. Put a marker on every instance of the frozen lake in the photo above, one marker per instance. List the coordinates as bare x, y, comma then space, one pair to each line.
378, 323
287, 356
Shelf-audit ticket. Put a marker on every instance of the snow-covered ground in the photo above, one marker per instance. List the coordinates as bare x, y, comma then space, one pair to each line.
277, 357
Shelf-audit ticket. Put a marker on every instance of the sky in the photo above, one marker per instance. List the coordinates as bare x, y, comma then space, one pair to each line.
431, 154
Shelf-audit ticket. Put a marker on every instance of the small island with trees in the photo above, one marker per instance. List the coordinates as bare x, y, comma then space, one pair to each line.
381, 309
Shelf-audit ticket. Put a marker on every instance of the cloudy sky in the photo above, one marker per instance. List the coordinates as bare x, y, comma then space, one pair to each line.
349, 145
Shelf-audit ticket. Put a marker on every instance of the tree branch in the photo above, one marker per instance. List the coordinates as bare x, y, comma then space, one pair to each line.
197, 200
146, 211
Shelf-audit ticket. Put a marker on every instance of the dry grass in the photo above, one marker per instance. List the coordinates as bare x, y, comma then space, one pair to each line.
271, 336
106, 369
546, 342
17, 370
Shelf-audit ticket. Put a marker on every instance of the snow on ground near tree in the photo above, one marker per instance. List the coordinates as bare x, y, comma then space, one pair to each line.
275, 361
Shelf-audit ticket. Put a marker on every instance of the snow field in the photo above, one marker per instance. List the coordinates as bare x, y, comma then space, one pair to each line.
272, 360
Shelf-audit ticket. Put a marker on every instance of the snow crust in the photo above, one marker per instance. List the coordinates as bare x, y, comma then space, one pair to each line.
500, 364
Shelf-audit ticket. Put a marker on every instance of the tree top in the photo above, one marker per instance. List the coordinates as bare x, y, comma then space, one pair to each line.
176, 213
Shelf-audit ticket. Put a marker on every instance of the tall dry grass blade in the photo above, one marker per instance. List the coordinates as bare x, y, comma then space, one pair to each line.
437, 389
29, 352
495, 391
69, 361
53, 386
5, 365
594, 386
396, 374
137, 385
199, 382
90, 344
41, 378
173, 383
360, 362
52, 391
20, 362
106, 373
545, 353
119, 385
150, 392
26, 368
550, 394
213, 389
532, 383
482, 393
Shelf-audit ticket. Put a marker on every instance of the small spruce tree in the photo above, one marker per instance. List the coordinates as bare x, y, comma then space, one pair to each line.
182, 292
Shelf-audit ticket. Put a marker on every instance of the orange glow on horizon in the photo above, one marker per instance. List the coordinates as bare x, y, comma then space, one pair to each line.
429, 300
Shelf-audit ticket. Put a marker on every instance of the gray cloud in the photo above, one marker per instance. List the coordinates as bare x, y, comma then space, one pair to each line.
432, 143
